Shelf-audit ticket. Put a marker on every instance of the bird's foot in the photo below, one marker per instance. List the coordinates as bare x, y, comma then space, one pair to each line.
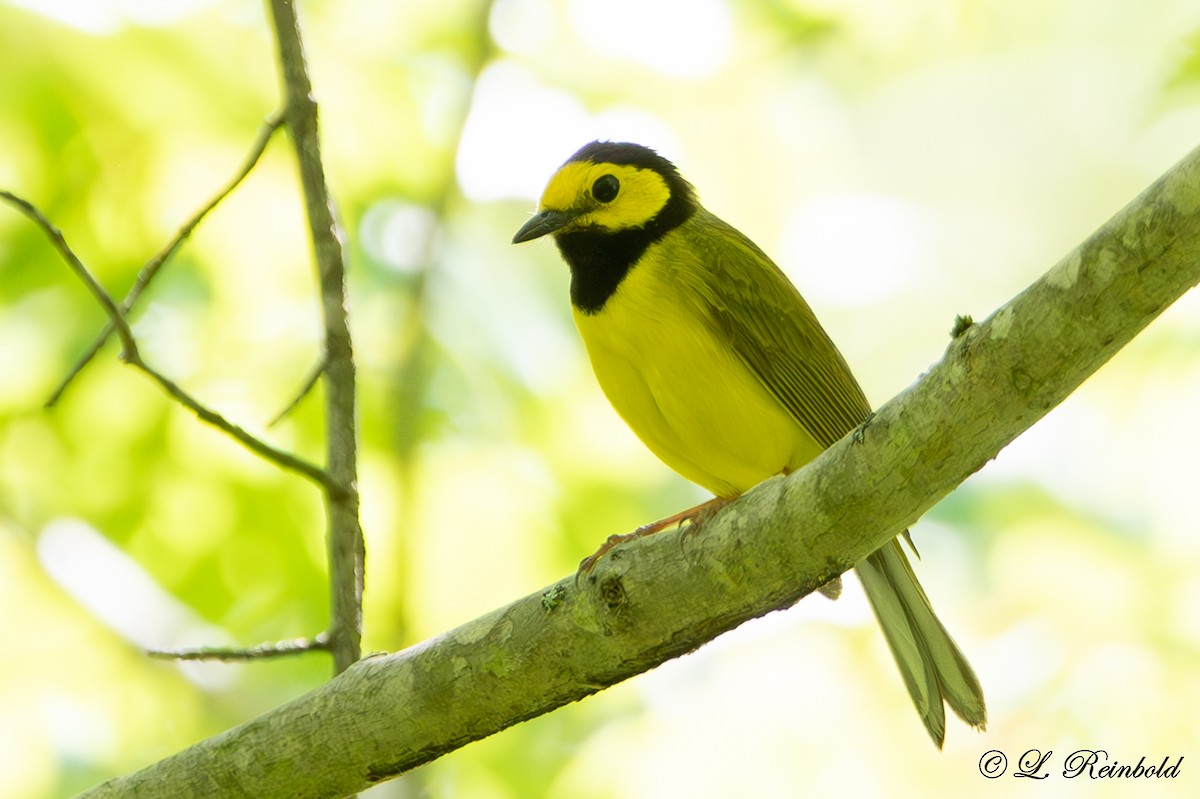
695, 515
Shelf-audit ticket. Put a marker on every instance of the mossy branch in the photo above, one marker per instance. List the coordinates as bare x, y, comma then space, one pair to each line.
668, 594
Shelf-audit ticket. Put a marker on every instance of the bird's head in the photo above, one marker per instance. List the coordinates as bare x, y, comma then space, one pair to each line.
611, 187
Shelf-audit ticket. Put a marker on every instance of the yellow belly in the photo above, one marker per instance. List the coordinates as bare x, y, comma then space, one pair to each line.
684, 393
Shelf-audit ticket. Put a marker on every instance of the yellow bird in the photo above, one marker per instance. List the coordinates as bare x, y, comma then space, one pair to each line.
716, 362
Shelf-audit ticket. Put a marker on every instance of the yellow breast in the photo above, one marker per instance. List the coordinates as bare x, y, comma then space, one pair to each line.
667, 372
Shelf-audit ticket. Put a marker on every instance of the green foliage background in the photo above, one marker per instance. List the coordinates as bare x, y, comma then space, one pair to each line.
905, 162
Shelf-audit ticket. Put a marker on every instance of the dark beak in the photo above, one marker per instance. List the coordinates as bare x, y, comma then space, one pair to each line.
541, 224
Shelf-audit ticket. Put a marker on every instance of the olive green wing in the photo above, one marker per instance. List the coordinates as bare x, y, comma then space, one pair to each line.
773, 331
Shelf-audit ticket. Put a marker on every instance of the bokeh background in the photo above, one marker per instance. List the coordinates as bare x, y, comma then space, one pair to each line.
903, 161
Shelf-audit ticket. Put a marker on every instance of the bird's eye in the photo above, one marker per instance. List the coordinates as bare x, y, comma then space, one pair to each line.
605, 188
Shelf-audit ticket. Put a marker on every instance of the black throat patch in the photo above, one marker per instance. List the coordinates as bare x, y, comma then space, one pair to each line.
599, 262
600, 259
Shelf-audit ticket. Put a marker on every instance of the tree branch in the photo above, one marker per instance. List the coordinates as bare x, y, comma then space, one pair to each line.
128, 345
310, 382
151, 268
272, 649
279, 457
132, 356
344, 534
665, 595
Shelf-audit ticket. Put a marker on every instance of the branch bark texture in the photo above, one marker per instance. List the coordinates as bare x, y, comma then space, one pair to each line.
665, 595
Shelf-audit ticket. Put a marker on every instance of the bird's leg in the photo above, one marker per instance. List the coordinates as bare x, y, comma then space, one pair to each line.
694, 515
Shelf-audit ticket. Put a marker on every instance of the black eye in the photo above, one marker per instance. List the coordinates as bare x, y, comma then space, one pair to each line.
605, 188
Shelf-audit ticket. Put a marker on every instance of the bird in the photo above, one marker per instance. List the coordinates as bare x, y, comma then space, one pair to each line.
717, 363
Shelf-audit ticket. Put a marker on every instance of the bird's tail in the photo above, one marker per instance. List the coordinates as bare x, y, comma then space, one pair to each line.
932, 666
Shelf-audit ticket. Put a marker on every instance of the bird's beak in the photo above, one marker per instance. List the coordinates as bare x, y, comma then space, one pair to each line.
543, 223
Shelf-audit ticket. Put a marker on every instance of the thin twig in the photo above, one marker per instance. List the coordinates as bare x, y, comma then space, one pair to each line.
265, 651
60, 243
151, 268
309, 384
131, 356
277, 456
344, 536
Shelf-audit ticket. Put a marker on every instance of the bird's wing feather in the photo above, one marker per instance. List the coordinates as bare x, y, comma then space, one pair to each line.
774, 332
776, 335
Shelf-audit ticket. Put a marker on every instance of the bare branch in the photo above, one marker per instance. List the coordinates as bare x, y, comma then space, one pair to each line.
60, 243
131, 356
273, 454
344, 536
265, 651
147, 272
309, 384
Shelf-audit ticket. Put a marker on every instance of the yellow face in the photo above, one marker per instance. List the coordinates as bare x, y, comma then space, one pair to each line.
608, 197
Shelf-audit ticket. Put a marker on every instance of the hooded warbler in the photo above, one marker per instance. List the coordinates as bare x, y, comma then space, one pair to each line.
716, 362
